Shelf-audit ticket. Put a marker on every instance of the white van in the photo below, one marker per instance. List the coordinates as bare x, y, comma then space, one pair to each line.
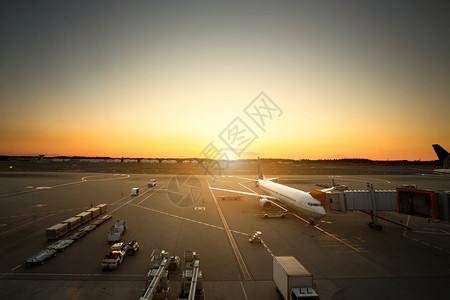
134, 191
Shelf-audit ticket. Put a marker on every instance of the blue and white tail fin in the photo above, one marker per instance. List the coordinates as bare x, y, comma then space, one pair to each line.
260, 171
444, 156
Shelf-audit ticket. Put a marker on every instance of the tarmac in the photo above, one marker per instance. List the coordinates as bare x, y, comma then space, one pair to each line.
347, 259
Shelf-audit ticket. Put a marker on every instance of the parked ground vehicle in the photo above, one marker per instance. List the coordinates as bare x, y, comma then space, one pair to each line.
118, 246
254, 237
41, 257
292, 279
116, 231
112, 260
132, 247
151, 183
134, 191
61, 244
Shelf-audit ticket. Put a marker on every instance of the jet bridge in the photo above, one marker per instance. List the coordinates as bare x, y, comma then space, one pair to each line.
404, 200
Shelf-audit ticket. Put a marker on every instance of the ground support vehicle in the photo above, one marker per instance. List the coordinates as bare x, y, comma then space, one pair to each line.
112, 260
255, 237
192, 278
292, 280
157, 284
61, 244
41, 257
132, 247
116, 231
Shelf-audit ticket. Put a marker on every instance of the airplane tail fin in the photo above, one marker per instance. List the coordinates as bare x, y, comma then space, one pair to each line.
442, 154
260, 171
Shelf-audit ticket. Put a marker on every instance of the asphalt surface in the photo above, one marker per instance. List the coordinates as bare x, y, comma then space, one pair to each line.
347, 258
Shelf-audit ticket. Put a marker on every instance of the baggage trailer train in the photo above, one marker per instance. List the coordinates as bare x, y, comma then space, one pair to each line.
58, 230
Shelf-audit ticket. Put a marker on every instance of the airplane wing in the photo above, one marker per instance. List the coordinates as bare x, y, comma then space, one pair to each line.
245, 193
249, 179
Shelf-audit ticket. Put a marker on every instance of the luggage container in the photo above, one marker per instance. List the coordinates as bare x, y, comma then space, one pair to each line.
73, 223
85, 216
54, 232
102, 207
95, 212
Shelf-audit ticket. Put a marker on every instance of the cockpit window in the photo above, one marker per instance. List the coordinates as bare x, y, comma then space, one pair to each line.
314, 204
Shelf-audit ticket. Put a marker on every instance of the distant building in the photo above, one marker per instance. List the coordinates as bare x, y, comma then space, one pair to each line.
92, 160
113, 160
149, 161
60, 159
128, 160
168, 161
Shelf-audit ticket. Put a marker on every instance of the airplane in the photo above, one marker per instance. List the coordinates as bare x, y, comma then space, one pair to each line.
295, 199
444, 158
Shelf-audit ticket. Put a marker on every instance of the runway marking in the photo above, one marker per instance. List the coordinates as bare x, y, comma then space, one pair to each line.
315, 226
129, 201
53, 211
25, 224
151, 194
113, 276
122, 176
243, 290
433, 231
40, 188
422, 242
178, 217
16, 267
199, 208
244, 270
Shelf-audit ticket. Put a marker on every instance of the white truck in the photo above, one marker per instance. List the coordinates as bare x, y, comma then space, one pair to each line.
134, 191
151, 183
116, 231
293, 280
112, 260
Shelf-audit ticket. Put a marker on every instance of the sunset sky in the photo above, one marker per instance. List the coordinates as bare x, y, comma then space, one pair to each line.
351, 79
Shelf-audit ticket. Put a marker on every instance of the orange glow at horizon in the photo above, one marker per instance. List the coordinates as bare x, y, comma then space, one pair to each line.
164, 80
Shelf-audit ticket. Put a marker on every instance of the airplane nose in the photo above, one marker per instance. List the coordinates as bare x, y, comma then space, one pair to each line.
321, 211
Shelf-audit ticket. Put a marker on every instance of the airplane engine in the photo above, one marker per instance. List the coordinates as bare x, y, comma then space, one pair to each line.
265, 203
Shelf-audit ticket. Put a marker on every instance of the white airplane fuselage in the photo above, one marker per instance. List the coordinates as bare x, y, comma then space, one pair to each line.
444, 171
295, 199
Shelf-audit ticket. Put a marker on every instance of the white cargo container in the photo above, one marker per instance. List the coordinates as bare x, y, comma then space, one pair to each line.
134, 191
292, 279
56, 231
102, 207
73, 222
85, 216
95, 211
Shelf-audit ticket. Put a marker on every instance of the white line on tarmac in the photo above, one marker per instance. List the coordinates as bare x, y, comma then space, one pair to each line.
139, 203
175, 216
243, 290
25, 224
240, 260
16, 267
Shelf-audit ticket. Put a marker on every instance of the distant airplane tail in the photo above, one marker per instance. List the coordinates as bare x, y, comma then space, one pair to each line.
444, 156
260, 171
